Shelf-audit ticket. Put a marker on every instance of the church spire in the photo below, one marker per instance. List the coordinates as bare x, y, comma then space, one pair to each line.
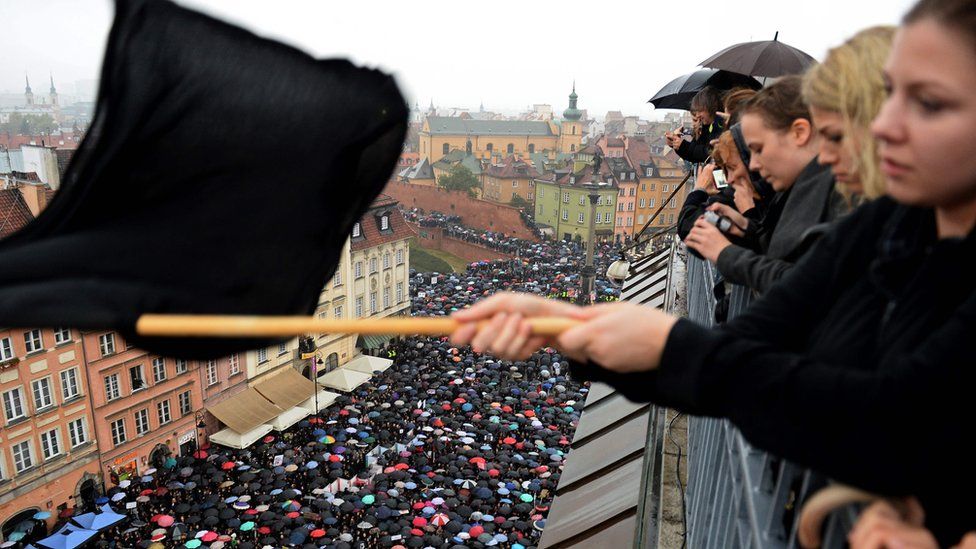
573, 113
28, 94
54, 93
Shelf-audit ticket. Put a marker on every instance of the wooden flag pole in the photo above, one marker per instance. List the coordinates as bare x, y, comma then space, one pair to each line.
272, 326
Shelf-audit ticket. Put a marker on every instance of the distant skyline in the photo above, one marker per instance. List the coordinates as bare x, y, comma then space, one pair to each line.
509, 56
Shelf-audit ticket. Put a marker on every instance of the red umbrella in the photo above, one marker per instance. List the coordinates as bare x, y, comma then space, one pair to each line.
529, 413
165, 521
459, 400
417, 532
147, 491
476, 531
508, 440
401, 466
293, 514
155, 518
162, 491
263, 530
335, 457
343, 412
200, 454
317, 533
419, 505
211, 536
268, 439
228, 465
440, 519
493, 472
446, 406
419, 522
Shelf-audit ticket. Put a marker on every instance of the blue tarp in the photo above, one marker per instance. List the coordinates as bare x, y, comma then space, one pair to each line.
68, 537
104, 518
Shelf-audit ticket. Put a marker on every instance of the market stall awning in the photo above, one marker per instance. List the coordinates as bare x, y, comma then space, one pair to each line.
233, 439
289, 417
104, 518
372, 341
368, 364
324, 399
245, 411
68, 537
286, 389
343, 379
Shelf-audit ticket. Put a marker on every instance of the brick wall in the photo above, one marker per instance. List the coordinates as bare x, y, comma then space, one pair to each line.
433, 238
478, 214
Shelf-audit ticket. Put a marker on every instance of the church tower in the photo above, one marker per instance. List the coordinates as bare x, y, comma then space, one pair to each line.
571, 129
54, 93
27, 92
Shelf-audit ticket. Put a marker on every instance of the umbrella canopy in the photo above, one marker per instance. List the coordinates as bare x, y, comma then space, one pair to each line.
345, 137
677, 93
769, 58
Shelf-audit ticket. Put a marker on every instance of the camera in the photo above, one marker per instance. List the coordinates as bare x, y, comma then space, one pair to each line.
721, 222
719, 176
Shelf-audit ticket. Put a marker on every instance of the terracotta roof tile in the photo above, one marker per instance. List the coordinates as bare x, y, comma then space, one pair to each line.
14, 213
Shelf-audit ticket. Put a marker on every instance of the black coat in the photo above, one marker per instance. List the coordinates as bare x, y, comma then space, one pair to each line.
698, 150
855, 364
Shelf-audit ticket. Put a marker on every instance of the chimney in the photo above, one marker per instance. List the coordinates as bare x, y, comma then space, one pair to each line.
35, 196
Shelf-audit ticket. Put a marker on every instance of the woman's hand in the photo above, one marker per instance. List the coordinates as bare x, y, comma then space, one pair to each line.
881, 526
707, 240
739, 221
507, 335
620, 336
673, 140
706, 179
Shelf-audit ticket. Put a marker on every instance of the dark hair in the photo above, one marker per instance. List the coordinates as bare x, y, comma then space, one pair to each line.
779, 104
708, 99
955, 14
733, 102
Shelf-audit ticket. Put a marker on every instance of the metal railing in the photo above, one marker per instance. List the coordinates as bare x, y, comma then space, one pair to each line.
737, 495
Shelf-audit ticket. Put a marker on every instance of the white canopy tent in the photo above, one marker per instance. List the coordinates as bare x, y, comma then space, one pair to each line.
325, 399
343, 379
231, 438
289, 417
368, 364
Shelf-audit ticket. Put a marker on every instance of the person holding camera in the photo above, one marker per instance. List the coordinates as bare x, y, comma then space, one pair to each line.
777, 128
708, 126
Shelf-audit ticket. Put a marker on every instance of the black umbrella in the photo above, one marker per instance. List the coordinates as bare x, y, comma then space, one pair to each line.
677, 93
178, 84
769, 58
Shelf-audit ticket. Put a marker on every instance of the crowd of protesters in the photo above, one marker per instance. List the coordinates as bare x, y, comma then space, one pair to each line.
850, 212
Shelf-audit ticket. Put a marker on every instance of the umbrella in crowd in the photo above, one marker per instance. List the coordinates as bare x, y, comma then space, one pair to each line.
767, 58
677, 93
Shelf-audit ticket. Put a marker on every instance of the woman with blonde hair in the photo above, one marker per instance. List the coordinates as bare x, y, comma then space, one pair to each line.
844, 94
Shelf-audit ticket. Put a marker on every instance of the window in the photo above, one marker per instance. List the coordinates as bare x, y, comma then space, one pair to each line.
106, 343
619, 221
211, 372
337, 311
582, 200
118, 431
386, 260
664, 188
510, 149
514, 183
186, 403
112, 387
532, 147
566, 198
162, 410
445, 149
23, 460
649, 170
643, 187
640, 220
136, 378
359, 306
609, 201
372, 302
598, 219
606, 217
399, 256
62, 335
357, 269
69, 384
620, 207
51, 443
77, 434
13, 404
357, 231
142, 421
671, 204
643, 202
399, 292
652, 186
622, 191
633, 191
262, 355
386, 297
650, 203
580, 218
671, 218
373, 265
565, 215
234, 361
33, 342
630, 207
489, 147
337, 278
42, 393
181, 366
385, 223
6, 349
159, 369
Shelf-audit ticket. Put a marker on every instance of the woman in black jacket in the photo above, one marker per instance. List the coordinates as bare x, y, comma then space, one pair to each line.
708, 126
857, 363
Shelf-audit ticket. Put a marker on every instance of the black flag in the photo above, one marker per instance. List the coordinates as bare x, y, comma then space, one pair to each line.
221, 174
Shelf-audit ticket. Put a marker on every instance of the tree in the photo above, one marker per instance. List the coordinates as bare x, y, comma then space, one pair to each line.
31, 124
519, 202
458, 178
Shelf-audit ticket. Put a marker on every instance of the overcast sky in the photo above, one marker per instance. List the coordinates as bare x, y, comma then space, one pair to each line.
508, 54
